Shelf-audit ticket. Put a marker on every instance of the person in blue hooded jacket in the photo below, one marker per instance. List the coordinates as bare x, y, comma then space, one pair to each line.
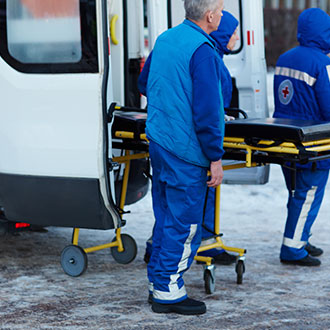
225, 39
302, 91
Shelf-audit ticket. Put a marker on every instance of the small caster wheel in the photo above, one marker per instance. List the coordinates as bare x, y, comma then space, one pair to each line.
240, 269
74, 260
209, 281
130, 250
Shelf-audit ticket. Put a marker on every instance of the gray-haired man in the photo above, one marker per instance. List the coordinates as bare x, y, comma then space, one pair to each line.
185, 128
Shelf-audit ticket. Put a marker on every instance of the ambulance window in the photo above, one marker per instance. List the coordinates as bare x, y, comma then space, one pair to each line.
49, 36
45, 31
234, 7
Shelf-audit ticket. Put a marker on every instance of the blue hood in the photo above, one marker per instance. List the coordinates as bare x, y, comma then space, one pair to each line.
314, 29
227, 27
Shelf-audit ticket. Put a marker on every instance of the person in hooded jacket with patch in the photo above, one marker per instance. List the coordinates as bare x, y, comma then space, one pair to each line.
225, 39
302, 91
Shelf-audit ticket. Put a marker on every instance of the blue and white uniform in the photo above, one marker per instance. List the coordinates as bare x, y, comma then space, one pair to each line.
302, 91
185, 127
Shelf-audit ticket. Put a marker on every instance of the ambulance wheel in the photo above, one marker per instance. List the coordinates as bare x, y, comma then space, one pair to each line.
240, 269
209, 282
74, 260
130, 250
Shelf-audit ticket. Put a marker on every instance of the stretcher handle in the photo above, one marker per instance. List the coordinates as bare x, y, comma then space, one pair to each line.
235, 112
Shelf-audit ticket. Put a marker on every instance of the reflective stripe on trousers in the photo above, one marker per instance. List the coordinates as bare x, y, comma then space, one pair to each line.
178, 193
303, 206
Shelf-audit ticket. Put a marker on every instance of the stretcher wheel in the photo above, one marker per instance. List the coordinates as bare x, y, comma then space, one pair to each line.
130, 250
209, 281
240, 269
74, 260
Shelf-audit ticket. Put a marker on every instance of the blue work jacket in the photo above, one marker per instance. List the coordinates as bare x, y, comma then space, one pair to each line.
302, 75
171, 121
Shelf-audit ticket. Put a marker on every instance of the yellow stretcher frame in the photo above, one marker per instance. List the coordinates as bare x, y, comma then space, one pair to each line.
209, 267
126, 159
284, 148
123, 247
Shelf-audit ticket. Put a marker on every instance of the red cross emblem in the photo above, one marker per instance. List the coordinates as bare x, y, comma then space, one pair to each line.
285, 91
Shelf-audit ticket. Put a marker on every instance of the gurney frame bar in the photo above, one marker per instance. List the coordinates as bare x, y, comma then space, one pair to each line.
285, 151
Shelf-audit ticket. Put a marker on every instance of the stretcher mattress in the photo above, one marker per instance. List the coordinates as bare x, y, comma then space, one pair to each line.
255, 140
129, 121
277, 129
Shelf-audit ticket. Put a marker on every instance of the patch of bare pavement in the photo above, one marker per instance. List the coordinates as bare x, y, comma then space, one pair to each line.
37, 294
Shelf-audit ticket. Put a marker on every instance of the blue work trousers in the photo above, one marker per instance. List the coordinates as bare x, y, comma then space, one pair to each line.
178, 194
303, 206
208, 222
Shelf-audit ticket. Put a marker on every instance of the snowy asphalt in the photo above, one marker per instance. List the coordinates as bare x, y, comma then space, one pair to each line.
37, 294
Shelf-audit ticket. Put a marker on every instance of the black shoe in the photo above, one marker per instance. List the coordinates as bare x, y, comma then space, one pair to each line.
150, 298
224, 258
306, 261
186, 307
313, 250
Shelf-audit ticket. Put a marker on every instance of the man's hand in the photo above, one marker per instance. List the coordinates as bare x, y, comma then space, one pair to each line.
216, 174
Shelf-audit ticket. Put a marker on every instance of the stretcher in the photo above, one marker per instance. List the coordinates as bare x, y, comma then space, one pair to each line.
249, 142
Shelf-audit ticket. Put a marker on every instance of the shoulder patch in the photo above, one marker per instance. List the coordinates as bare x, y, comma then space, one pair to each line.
285, 92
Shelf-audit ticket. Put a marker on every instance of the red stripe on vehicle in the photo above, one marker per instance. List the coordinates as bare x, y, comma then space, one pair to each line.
248, 38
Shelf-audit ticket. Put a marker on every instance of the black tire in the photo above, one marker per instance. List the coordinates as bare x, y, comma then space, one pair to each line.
240, 269
74, 260
130, 250
209, 282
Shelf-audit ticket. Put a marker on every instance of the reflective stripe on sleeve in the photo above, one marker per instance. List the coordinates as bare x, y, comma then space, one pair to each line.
295, 74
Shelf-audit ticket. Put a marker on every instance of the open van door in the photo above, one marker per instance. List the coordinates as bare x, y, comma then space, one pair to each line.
247, 66
127, 49
55, 92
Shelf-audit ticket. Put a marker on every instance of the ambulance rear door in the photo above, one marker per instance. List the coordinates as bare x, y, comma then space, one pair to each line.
55, 90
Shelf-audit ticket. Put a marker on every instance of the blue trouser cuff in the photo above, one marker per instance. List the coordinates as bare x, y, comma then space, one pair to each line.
288, 253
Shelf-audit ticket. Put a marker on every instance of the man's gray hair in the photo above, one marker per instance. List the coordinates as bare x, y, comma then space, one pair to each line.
196, 9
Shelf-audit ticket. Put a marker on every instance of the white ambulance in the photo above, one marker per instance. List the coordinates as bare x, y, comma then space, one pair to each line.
62, 64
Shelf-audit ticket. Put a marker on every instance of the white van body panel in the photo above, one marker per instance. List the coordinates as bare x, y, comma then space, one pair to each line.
157, 20
117, 52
